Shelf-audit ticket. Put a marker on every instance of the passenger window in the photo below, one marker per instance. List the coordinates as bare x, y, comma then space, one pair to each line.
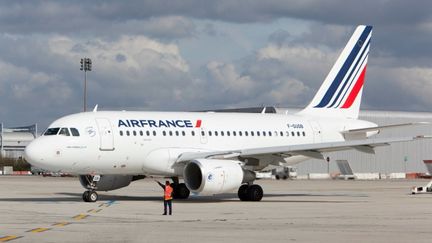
164, 133
252, 133
51, 131
222, 133
228, 133
292, 134
287, 134
270, 133
64, 131
121, 133
258, 134
193, 133
177, 133
264, 134
202, 133
209, 133
216, 133
134, 133
141, 133
304, 134
183, 133
246, 134
127, 133
240, 133
154, 133
74, 132
281, 134
148, 133
298, 134
234, 133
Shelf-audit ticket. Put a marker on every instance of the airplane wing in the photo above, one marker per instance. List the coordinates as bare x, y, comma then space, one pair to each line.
314, 150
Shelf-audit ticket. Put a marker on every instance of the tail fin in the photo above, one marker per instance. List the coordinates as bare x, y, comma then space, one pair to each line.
340, 94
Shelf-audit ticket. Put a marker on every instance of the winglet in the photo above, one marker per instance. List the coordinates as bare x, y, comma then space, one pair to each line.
95, 108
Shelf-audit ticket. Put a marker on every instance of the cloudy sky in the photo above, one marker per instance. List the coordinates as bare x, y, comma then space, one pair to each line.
195, 54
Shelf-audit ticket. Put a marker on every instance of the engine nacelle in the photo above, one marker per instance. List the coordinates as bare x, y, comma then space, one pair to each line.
108, 182
211, 176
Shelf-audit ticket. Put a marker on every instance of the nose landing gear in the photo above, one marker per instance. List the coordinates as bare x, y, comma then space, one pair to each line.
91, 195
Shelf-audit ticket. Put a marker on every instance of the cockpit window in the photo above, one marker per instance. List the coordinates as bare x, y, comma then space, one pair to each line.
64, 131
74, 132
51, 131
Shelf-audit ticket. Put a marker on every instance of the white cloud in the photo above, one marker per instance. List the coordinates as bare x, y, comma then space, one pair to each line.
308, 59
414, 81
22, 85
228, 79
139, 52
287, 91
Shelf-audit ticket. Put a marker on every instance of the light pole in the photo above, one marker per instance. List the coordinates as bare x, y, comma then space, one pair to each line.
86, 65
328, 165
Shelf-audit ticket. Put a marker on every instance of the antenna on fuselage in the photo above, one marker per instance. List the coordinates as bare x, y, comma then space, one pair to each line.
95, 108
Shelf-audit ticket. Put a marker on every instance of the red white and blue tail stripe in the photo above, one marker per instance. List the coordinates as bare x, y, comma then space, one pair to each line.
340, 93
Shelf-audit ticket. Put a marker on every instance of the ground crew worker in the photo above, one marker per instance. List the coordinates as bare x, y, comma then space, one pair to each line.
168, 190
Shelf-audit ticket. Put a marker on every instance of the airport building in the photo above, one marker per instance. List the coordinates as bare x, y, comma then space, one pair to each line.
14, 140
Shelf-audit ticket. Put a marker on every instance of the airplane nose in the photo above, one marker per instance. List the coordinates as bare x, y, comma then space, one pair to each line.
32, 153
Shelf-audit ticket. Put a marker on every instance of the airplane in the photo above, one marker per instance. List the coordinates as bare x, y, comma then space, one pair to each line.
211, 152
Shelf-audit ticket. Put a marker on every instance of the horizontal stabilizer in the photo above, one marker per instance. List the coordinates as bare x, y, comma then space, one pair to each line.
379, 128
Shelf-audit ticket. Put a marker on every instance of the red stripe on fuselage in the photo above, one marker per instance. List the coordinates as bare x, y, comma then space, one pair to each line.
198, 123
356, 89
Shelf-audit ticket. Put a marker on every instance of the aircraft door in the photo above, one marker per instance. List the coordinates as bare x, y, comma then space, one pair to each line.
316, 129
105, 134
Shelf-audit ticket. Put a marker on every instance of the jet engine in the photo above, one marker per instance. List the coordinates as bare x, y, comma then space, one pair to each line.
109, 182
211, 176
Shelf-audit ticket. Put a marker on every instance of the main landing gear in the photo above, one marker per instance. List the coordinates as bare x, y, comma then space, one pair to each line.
180, 191
90, 195
248, 192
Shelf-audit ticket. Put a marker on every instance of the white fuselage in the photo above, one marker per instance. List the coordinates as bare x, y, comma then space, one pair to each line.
122, 142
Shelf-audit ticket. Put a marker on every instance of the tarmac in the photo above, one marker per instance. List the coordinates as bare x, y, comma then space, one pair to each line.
50, 209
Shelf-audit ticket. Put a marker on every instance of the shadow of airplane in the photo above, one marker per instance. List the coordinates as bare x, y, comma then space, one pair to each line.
220, 198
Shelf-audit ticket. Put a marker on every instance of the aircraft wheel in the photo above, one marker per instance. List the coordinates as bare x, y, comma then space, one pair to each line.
243, 192
93, 196
181, 191
85, 196
255, 193
90, 196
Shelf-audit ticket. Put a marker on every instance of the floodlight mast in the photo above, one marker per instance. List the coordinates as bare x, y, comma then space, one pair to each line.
86, 65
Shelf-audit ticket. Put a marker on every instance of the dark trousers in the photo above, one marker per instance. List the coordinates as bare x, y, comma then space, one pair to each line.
169, 204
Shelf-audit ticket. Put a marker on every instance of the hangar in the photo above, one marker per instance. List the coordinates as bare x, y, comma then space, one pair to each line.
14, 140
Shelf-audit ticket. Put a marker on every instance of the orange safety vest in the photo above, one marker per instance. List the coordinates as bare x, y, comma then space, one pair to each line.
168, 192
